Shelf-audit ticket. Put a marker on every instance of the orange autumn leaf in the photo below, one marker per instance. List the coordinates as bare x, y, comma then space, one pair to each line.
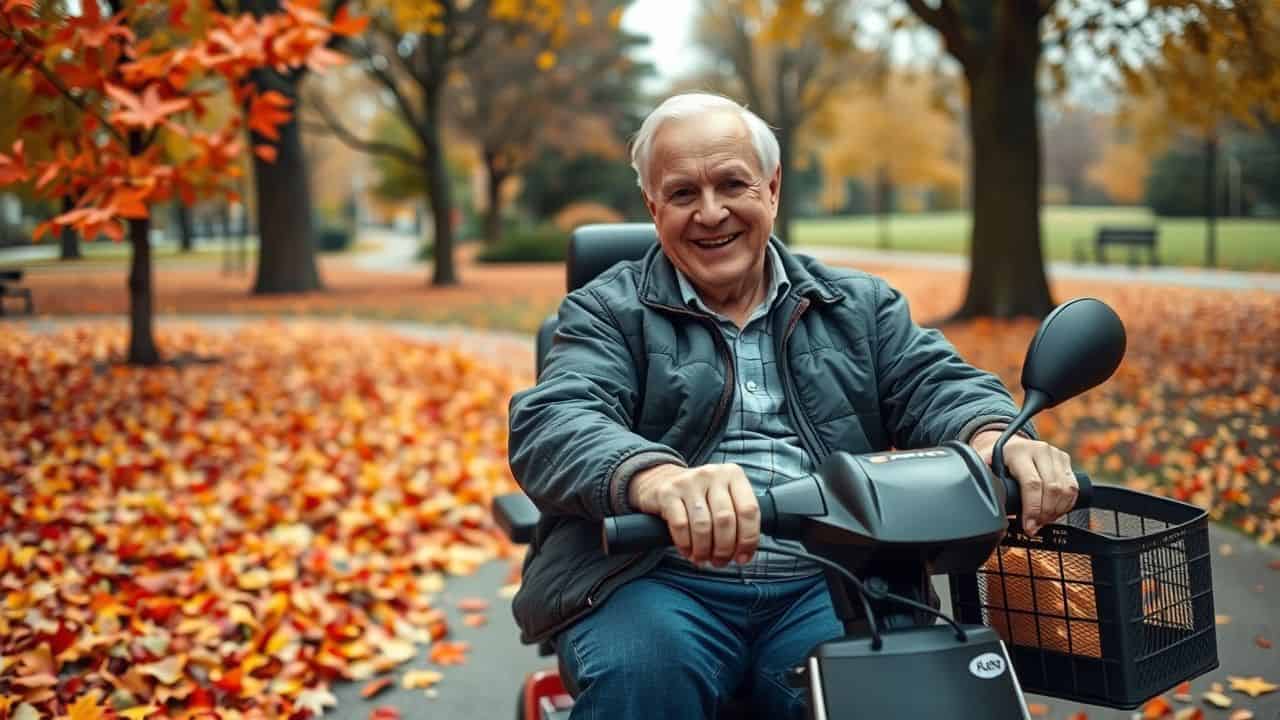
146, 111
1037, 709
474, 620
1262, 642
1156, 708
449, 653
374, 687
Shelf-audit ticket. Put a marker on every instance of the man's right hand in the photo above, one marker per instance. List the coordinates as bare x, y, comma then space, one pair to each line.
711, 510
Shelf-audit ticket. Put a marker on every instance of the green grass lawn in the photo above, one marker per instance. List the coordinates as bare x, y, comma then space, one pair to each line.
1243, 244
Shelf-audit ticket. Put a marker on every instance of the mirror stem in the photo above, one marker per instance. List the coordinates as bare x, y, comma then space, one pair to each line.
1035, 402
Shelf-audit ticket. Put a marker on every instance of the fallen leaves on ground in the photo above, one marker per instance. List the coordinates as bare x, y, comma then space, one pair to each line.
1192, 413
236, 534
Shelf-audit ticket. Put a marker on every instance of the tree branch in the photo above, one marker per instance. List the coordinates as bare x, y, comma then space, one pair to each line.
406, 108
333, 126
65, 91
945, 20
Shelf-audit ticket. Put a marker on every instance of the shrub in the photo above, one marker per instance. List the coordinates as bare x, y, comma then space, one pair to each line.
541, 243
332, 238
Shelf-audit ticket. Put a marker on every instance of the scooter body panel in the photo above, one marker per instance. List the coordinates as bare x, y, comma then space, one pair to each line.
921, 673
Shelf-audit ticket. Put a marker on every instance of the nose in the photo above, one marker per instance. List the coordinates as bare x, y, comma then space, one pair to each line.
711, 211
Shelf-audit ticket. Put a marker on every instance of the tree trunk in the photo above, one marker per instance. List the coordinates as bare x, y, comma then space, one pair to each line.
439, 195
142, 342
286, 244
782, 225
1211, 200
186, 238
493, 213
70, 239
1006, 265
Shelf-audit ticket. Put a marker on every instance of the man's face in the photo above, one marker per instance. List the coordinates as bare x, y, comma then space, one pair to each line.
711, 203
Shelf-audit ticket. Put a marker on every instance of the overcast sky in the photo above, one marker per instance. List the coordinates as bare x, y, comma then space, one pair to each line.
669, 25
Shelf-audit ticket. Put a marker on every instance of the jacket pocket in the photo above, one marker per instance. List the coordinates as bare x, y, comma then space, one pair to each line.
566, 568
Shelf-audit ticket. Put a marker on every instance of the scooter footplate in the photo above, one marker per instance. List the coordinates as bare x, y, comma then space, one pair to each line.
917, 673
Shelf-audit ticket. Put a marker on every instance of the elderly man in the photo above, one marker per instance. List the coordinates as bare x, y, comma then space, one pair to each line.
719, 364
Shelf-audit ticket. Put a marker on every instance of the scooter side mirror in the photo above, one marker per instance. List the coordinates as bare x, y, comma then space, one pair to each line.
1077, 347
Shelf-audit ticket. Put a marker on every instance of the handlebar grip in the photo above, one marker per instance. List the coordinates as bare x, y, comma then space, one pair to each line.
1013, 494
634, 533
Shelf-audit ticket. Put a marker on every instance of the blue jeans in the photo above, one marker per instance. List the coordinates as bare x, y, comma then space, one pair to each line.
674, 645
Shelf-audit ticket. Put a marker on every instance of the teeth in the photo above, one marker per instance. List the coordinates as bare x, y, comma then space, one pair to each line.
717, 242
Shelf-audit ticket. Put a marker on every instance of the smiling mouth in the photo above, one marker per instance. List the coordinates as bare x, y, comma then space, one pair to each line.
716, 242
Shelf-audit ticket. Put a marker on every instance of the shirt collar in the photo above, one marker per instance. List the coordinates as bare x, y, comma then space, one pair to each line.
779, 285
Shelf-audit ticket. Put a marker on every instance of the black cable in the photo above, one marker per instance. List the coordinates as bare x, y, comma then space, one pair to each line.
863, 592
876, 642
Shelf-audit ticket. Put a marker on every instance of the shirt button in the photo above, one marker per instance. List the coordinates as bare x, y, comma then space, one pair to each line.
751, 385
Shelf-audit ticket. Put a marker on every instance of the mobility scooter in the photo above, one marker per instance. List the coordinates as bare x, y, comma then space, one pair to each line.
1110, 606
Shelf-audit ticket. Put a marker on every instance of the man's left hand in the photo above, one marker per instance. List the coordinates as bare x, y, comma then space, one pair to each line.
1049, 487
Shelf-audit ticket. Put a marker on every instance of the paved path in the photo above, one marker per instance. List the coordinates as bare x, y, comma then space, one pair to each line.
1247, 593
398, 253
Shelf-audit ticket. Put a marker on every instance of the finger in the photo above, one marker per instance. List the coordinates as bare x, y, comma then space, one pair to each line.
678, 525
724, 524
748, 511
1053, 489
699, 528
1071, 486
1023, 469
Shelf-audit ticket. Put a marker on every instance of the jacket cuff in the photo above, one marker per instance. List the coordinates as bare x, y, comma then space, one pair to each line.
620, 480
991, 422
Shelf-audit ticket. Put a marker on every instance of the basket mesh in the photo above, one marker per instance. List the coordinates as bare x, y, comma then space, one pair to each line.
1092, 618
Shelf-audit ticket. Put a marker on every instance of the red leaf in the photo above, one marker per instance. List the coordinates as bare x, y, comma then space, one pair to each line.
384, 713
1262, 642
344, 24
266, 152
267, 112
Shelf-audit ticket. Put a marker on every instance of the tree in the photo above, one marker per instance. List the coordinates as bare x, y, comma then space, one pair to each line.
134, 76
1071, 146
900, 137
1000, 45
412, 50
523, 98
286, 236
784, 58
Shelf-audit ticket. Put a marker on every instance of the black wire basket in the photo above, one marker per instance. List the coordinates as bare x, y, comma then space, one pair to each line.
1112, 605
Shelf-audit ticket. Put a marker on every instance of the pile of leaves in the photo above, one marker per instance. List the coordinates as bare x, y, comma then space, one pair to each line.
273, 512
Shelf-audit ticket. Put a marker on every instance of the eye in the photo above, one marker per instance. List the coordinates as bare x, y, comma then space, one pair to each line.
735, 184
680, 194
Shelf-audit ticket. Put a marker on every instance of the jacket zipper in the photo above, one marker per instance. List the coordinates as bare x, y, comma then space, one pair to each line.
804, 428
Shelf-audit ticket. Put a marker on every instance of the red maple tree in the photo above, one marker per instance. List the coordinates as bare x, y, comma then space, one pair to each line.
144, 69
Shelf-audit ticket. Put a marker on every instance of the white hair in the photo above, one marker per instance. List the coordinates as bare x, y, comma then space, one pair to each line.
692, 105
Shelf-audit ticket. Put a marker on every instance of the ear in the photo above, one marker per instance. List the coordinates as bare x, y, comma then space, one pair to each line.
650, 205
775, 191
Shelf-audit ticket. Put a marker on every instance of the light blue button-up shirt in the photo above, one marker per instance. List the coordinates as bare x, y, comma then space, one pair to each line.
759, 436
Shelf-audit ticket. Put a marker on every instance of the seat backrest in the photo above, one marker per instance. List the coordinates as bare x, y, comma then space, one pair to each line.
592, 250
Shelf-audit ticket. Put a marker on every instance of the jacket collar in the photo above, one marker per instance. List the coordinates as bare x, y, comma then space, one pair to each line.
659, 286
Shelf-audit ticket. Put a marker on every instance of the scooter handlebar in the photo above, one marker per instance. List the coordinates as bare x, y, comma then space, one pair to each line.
1013, 494
641, 531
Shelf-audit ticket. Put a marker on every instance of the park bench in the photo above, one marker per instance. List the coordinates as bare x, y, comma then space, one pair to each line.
9, 287
1133, 237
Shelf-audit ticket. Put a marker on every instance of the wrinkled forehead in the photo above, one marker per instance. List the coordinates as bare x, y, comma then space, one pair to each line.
718, 138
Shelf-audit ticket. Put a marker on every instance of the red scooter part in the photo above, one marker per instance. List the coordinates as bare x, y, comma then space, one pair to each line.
544, 693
